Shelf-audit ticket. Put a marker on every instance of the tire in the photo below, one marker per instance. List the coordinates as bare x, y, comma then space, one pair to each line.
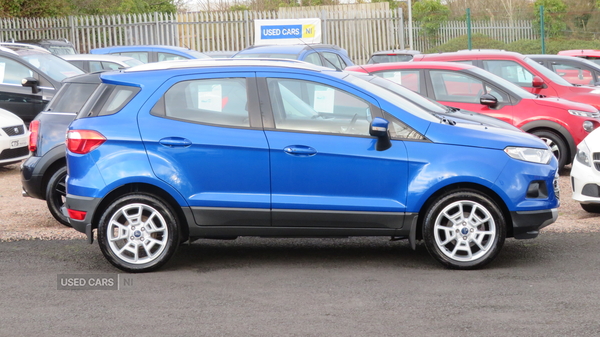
557, 145
478, 221
591, 208
56, 194
138, 233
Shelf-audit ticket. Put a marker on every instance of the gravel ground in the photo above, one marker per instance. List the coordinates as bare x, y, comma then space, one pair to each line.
29, 219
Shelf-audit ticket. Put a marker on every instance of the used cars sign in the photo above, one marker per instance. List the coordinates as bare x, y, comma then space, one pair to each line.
287, 31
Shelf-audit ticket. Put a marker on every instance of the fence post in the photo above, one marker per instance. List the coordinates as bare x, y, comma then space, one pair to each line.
542, 31
247, 23
401, 27
324, 25
469, 43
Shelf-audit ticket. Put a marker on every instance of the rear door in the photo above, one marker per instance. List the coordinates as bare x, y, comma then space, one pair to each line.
204, 137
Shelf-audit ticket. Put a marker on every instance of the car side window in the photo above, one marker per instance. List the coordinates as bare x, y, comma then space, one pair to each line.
12, 72
406, 78
169, 57
300, 105
110, 65
313, 58
401, 131
221, 101
573, 73
95, 66
458, 87
509, 70
139, 55
335, 61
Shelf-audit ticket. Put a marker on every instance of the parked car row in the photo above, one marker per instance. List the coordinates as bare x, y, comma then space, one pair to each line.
430, 151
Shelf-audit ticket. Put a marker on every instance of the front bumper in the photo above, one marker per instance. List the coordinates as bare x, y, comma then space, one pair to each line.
526, 225
585, 181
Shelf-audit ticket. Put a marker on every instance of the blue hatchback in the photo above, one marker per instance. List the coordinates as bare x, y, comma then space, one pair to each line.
327, 55
169, 152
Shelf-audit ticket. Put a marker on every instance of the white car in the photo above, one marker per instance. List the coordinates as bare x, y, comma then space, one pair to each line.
94, 62
585, 173
13, 138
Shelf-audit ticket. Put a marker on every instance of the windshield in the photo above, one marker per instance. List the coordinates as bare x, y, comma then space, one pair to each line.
53, 66
390, 96
62, 50
554, 77
502, 83
267, 55
410, 95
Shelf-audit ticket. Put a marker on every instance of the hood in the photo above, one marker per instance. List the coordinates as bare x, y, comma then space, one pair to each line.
469, 117
561, 103
469, 134
8, 118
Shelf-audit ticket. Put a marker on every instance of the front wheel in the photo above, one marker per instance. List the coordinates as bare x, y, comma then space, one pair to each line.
138, 233
557, 145
464, 229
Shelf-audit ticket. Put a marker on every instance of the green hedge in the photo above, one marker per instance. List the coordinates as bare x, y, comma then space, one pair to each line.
481, 41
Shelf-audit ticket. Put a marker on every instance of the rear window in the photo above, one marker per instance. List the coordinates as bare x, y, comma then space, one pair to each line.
71, 97
111, 99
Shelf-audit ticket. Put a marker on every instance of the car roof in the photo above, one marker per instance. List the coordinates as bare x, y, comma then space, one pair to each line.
142, 48
467, 54
397, 52
412, 65
580, 52
288, 48
96, 57
23, 48
64, 42
224, 62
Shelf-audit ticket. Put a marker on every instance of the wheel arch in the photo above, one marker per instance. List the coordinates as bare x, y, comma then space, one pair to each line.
464, 186
185, 218
49, 172
544, 125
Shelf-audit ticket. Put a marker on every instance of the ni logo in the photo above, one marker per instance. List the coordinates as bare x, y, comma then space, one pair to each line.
308, 30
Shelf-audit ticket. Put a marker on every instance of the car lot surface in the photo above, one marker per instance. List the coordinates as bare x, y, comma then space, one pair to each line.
548, 286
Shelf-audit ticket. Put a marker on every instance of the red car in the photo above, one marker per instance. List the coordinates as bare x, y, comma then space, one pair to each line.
523, 71
590, 54
562, 124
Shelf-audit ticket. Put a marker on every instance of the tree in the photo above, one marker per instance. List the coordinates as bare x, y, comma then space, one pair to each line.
430, 14
554, 17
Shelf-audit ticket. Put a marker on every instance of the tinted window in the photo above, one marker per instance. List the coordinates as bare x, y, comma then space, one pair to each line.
221, 101
12, 72
460, 87
71, 97
389, 58
113, 99
313, 58
314, 107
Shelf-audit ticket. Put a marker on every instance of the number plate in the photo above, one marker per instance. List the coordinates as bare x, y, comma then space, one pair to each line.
18, 143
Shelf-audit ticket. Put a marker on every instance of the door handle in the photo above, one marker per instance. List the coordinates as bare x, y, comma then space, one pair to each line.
300, 150
175, 142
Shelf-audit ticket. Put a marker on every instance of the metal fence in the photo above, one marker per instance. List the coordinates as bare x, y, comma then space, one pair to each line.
360, 30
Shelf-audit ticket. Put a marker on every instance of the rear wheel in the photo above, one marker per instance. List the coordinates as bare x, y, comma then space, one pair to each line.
557, 145
56, 194
138, 233
464, 229
591, 208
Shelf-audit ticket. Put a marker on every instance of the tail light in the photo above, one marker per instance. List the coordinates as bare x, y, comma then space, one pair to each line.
34, 129
84, 141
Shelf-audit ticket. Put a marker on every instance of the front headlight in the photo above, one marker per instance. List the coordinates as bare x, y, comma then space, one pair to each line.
540, 156
583, 154
584, 113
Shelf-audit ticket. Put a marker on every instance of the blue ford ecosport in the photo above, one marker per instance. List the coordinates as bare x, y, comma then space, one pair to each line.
180, 150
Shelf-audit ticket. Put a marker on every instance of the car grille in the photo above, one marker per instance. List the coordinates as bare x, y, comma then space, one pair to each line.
596, 159
14, 130
14, 153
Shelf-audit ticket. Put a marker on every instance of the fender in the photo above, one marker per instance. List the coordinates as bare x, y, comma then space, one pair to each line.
555, 127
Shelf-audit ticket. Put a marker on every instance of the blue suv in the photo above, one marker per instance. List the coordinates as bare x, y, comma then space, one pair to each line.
326, 55
169, 152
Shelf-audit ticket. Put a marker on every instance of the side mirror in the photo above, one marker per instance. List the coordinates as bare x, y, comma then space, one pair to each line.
537, 82
379, 129
489, 100
31, 82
